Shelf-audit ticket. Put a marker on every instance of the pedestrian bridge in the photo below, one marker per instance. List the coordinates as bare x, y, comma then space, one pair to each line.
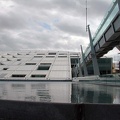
107, 35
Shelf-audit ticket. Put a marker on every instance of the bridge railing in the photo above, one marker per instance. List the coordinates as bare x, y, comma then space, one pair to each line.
114, 9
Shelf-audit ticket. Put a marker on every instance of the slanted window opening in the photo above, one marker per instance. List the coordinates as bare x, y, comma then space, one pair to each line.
38, 56
51, 53
1, 63
18, 59
62, 56
38, 76
18, 75
5, 68
41, 67
45, 63
50, 56
30, 63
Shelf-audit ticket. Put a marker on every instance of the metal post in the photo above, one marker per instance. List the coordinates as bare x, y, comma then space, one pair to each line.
94, 59
84, 64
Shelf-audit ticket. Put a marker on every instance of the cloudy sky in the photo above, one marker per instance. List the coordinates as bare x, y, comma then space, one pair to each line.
48, 24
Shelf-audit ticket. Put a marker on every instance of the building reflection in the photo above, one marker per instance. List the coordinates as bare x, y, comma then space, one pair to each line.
116, 99
34, 91
85, 93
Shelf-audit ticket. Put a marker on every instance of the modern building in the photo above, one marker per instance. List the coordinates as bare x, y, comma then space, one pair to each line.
105, 66
37, 65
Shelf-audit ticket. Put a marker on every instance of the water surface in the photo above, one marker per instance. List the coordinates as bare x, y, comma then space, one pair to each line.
59, 92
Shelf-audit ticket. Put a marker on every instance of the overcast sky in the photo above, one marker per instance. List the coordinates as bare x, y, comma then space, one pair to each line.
48, 24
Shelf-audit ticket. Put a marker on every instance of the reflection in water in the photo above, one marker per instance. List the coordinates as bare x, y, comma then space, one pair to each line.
88, 93
34, 91
61, 92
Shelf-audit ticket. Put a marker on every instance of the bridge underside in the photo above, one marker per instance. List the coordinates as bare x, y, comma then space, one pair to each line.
109, 39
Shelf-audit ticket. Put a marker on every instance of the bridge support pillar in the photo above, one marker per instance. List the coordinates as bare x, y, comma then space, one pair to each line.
84, 64
93, 55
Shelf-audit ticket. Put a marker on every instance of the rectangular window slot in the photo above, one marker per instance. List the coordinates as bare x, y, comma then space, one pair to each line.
1, 63
17, 75
14, 57
5, 68
62, 56
50, 56
18, 59
30, 63
43, 67
40, 54
62, 53
51, 53
48, 64
37, 56
38, 76
8, 60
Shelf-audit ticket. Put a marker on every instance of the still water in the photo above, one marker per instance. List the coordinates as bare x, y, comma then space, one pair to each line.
60, 92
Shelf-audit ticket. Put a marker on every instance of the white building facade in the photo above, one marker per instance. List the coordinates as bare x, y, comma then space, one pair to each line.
36, 65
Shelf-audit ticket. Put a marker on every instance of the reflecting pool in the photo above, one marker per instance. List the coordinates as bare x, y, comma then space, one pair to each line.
59, 92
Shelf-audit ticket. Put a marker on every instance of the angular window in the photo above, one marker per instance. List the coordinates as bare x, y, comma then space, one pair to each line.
45, 64
18, 75
43, 67
62, 53
1, 63
62, 56
40, 54
38, 76
5, 68
30, 63
37, 56
18, 59
50, 56
51, 53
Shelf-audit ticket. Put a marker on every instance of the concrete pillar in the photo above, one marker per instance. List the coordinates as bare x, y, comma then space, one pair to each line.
84, 63
93, 55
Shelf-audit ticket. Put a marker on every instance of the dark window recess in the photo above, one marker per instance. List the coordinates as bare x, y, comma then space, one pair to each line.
40, 76
43, 67
14, 57
37, 56
30, 63
40, 54
18, 59
45, 64
8, 60
51, 53
62, 56
5, 68
1, 63
62, 53
17, 75
50, 56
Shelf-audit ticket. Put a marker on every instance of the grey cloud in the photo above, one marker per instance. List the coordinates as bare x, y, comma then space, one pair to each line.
11, 21
24, 20
72, 29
